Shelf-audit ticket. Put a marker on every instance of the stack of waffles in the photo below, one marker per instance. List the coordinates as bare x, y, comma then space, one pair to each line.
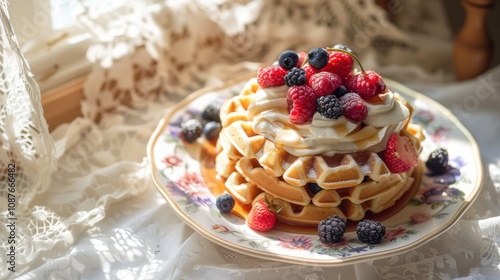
309, 187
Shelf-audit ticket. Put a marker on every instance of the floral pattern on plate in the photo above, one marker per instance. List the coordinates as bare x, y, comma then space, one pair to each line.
438, 203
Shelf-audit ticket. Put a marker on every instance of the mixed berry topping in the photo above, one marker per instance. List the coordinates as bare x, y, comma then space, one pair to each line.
353, 107
288, 59
271, 76
366, 84
295, 77
370, 231
318, 58
340, 91
329, 106
325, 72
437, 162
331, 230
339, 63
324, 83
301, 103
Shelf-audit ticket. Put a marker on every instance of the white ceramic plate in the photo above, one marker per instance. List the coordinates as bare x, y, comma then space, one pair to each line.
437, 205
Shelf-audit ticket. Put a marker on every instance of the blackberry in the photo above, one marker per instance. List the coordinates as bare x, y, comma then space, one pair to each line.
342, 47
318, 58
329, 106
331, 229
370, 231
211, 130
288, 59
295, 77
340, 91
191, 130
438, 161
225, 203
211, 112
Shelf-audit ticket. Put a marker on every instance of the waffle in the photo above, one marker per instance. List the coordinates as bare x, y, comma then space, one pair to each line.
352, 184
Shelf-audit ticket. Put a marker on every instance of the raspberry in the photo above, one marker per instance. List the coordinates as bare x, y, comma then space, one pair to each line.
295, 77
310, 71
225, 203
370, 231
271, 76
438, 161
339, 63
353, 107
400, 154
301, 103
211, 112
318, 58
329, 107
324, 83
191, 130
288, 59
331, 229
367, 84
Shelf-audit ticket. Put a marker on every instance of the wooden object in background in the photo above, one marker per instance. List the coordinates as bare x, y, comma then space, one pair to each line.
62, 105
473, 47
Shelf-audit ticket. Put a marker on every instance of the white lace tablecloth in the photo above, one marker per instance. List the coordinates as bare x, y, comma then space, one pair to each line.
142, 238
97, 215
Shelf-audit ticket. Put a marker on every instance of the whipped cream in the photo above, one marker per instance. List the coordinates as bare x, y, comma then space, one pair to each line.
323, 136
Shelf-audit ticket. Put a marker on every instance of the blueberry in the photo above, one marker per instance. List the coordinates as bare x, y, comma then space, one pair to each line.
314, 188
342, 47
191, 130
288, 59
340, 91
225, 203
211, 112
318, 58
211, 130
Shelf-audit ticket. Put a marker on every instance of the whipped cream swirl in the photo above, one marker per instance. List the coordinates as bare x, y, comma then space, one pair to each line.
323, 136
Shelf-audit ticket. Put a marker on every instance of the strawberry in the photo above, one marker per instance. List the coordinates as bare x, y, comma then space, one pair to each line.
261, 217
271, 76
400, 155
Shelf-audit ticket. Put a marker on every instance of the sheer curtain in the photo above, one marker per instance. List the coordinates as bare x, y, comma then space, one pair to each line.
88, 206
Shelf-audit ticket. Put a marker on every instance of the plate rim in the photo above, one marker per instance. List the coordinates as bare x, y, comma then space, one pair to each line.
268, 255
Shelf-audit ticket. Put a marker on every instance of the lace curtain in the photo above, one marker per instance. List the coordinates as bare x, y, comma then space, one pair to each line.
151, 54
